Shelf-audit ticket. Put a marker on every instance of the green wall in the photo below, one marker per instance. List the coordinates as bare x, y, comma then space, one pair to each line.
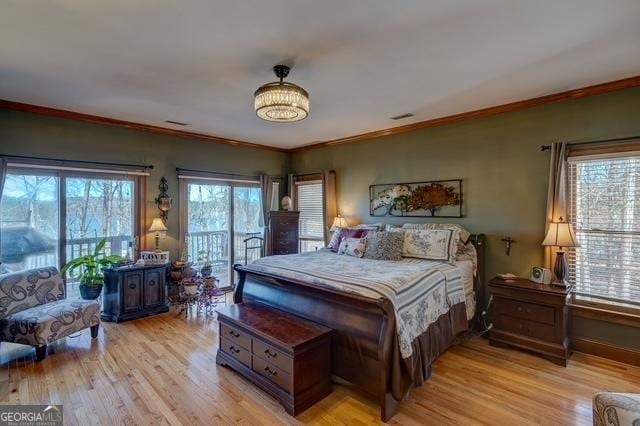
36, 135
504, 175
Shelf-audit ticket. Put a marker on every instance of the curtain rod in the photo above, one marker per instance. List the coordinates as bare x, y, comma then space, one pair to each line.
60, 160
230, 175
626, 138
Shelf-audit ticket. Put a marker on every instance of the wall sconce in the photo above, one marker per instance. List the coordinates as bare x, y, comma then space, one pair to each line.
163, 201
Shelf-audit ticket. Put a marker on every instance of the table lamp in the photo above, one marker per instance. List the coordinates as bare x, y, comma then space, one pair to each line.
560, 235
159, 228
338, 222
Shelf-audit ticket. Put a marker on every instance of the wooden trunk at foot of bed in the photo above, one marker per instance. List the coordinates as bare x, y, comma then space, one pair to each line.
362, 328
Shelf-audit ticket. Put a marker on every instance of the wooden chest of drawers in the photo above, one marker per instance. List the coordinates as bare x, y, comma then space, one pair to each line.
283, 232
288, 357
531, 316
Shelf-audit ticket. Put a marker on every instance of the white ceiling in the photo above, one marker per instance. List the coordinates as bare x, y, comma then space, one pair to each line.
199, 61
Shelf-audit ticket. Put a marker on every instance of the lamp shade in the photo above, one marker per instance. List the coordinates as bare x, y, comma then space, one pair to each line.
560, 234
157, 225
339, 222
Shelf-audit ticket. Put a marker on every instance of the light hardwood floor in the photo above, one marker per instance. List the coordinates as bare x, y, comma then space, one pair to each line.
162, 370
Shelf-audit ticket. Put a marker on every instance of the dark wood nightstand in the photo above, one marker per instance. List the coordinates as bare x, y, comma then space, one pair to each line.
531, 316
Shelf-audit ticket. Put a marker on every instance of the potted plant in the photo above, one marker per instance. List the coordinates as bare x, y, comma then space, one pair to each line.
204, 260
91, 267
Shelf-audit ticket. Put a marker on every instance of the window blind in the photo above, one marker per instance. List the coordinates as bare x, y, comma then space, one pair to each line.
309, 198
604, 209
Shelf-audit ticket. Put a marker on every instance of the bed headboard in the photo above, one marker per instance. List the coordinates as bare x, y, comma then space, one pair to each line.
479, 242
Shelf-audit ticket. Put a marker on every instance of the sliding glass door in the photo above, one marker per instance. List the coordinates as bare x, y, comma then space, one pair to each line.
49, 217
219, 217
246, 224
97, 208
208, 212
29, 221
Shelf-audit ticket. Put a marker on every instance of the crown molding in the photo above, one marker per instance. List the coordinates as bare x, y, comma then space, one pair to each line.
72, 115
596, 89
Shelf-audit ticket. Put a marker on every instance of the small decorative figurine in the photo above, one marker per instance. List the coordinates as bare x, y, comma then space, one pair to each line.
287, 203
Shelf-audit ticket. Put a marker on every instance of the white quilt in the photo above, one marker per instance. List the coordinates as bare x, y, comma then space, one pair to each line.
420, 290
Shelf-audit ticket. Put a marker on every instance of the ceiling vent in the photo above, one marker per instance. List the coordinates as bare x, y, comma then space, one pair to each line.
401, 116
177, 123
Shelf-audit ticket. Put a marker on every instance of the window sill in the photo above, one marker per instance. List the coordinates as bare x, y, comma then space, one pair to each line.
606, 312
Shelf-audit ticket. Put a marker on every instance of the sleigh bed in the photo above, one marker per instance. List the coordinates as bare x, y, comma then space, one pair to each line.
367, 350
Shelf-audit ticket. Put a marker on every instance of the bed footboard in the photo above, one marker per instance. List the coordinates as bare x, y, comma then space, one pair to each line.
362, 328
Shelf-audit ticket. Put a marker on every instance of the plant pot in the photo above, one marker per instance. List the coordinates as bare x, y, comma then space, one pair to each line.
190, 288
90, 292
209, 282
206, 270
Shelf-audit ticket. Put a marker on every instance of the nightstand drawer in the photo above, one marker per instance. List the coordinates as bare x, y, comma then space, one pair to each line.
525, 310
524, 327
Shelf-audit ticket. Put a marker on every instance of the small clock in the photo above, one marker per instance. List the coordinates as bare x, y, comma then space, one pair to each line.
540, 275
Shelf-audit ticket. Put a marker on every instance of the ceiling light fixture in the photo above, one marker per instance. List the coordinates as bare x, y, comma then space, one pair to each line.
280, 101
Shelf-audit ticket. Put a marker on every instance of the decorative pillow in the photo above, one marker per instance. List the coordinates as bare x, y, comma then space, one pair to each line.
468, 252
334, 244
395, 229
463, 233
432, 244
370, 226
384, 245
352, 246
342, 233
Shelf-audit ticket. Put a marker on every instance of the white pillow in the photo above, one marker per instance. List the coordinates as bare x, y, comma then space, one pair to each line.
353, 247
464, 234
432, 244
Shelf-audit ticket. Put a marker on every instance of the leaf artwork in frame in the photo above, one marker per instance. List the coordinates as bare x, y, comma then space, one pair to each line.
441, 198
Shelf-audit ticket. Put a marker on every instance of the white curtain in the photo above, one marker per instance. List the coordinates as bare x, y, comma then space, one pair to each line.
557, 193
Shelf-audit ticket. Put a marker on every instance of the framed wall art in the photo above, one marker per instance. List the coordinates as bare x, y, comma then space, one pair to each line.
436, 198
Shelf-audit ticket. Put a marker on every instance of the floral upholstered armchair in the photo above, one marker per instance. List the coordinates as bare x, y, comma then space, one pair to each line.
34, 310
616, 409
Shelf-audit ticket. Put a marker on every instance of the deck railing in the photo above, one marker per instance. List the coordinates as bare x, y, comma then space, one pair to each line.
214, 245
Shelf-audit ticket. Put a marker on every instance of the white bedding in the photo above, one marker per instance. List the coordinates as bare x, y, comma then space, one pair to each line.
420, 290
466, 270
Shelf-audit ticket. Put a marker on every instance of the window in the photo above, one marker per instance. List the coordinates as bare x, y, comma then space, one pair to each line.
309, 201
49, 216
217, 219
604, 209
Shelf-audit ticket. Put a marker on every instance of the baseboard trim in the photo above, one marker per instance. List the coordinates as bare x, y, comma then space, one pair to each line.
607, 350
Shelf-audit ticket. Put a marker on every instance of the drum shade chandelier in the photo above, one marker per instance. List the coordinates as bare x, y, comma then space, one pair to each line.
280, 101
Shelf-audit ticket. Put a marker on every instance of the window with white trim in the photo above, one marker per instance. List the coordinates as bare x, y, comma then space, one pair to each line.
604, 209
309, 201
